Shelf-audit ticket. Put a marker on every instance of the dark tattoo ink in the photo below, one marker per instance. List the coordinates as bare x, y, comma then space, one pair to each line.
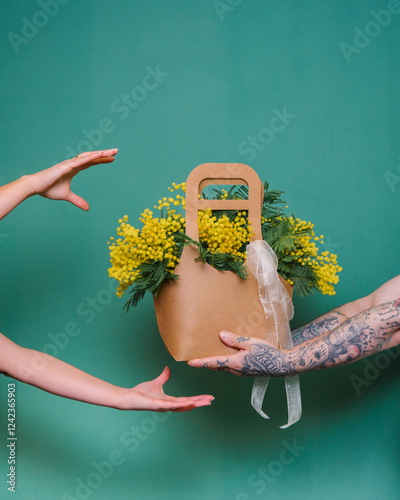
264, 360
221, 365
321, 325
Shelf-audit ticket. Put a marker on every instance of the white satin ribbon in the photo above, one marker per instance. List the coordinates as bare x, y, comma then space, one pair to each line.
263, 264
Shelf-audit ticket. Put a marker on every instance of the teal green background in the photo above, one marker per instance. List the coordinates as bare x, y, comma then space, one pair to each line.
337, 161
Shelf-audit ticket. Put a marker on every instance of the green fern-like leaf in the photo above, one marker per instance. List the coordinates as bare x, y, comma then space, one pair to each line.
279, 235
305, 281
150, 278
271, 205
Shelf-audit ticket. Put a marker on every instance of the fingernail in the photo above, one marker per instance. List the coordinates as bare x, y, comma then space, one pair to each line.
224, 335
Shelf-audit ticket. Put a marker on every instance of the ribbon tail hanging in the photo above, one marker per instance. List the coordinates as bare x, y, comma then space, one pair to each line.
258, 393
293, 396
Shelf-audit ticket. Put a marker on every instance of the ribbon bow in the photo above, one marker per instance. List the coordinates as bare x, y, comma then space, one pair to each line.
263, 264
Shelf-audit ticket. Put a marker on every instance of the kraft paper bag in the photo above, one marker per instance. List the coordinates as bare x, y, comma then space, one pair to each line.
203, 301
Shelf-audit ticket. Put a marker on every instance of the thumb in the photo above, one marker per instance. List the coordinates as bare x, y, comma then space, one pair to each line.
163, 377
233, 340
77, 201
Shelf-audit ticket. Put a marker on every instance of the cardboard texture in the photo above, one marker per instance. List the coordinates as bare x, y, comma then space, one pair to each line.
203, 301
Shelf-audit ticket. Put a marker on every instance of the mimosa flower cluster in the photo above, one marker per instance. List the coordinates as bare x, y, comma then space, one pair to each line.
324, 265
136, 252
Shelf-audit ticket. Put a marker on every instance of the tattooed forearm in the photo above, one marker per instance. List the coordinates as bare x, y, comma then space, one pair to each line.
321, 325
366, 333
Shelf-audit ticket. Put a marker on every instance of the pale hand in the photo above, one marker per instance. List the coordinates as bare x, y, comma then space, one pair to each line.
55, 182
150, 396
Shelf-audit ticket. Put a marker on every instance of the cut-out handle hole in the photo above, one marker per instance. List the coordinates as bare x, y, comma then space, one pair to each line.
225, 191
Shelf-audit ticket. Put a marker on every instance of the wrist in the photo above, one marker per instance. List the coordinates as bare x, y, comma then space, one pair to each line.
110, 396
27, 185
123, 399
289, 362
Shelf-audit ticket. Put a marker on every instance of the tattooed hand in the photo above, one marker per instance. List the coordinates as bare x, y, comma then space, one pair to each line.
369, 332
255, 358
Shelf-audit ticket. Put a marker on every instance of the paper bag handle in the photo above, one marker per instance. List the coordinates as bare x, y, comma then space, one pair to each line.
223, 173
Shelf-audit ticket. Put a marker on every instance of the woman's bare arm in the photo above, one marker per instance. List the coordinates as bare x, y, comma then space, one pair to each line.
60, 378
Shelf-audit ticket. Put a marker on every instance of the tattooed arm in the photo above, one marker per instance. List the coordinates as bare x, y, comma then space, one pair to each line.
369, 332
323, 324
387, 292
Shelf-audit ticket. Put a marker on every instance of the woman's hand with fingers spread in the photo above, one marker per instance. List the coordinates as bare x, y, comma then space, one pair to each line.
55, 182
150, 396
